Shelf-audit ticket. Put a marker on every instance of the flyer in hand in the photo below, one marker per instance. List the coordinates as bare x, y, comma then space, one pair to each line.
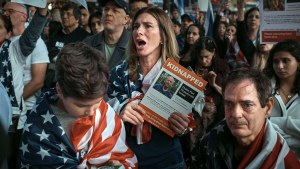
175, 89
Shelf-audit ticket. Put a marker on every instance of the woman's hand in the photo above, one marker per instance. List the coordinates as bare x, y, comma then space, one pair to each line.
212, 78
212, 81
132, 114
178, 123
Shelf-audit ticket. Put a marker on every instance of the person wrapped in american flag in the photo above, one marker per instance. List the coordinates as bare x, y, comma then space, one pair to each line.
72, 126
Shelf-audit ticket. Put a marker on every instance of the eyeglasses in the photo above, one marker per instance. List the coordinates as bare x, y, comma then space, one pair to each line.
12, 11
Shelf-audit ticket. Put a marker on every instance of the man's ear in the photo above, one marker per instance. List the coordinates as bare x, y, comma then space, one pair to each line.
269, 107
59, 92
127, 18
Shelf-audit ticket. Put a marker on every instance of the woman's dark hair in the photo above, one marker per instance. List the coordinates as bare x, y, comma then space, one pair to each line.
291, 46
205, 42
7, 23
187, 46
94, 15
247, 14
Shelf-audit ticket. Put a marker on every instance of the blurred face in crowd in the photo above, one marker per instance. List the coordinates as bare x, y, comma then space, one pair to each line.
16, 12
68, 19
253, 20
146, 36
244, 114
175, 14
186, 22
135, 6
205, 57
84, 16
176, 29
265, 47
231, 30
285, 65
193, 35
114, 17
96, 25
222, 29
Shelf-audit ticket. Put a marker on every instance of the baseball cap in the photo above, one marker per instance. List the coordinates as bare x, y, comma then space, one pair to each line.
120, 3
189, 16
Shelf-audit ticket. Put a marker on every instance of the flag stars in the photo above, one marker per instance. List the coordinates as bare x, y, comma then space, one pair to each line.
24, 166
43, 136
26, 127
5, 63
43, 153
47, 117
8, 73
62, 147
24, 148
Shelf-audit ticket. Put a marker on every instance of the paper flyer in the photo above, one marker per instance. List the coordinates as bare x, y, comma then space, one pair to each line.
279, 22
36, 3
175, 89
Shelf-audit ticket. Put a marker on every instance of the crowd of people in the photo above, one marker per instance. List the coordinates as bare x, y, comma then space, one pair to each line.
72, 79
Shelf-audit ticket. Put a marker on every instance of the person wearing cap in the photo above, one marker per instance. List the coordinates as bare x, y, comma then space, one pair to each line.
186, 21
112, 41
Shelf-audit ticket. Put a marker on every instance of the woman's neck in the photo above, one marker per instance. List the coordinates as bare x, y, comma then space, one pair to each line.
147, 64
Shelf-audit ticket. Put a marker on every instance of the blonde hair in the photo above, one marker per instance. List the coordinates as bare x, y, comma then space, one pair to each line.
169, 46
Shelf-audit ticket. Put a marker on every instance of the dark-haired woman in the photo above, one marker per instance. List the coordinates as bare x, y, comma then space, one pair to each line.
283, 67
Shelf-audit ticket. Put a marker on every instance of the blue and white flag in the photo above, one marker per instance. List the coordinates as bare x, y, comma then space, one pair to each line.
180, 5
209, 20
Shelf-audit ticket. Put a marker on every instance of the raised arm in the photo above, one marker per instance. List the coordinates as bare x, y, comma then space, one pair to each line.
34, 30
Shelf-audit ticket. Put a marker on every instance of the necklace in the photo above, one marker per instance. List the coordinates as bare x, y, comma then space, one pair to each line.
287, 96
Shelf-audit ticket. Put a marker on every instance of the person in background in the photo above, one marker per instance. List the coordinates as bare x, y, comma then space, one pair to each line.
175, 13
247, 29
95, 23
177, 31
200, 18
186, 21
261, 56
246, 138
194, 32
234, 57
14, 53
71, 32
152, 42
112, 41
72, 126
283, 67
219, 29
84, 18
135, 5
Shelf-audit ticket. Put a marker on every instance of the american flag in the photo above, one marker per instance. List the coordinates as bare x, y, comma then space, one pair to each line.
6, 76
94, 140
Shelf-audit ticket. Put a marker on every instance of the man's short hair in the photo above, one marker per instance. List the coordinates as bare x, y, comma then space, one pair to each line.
81, 71
75, 7
259, 79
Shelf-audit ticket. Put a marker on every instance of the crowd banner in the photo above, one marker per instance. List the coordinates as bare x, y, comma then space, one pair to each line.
280, 22
180, 97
